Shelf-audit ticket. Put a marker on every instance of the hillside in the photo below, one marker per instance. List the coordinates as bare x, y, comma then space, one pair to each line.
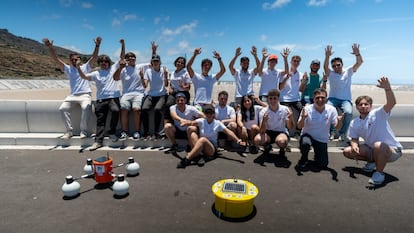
24, 58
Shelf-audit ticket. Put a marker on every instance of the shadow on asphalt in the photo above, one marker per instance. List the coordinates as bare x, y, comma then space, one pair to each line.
276, 159
356, 170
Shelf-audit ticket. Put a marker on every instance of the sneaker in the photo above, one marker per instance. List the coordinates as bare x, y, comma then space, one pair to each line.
113, 137
136, 135
369, 167
377, 178
152, 138
253, 149
343, 138
183, 163
174, 148
67, 135
267, 148
95, 146
302, 163
124, 136
201, 161
83, 135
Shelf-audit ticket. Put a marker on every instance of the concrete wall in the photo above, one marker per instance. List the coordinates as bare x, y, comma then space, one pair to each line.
41, 116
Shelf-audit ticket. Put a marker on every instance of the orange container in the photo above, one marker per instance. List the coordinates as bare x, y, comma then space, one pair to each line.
103, 169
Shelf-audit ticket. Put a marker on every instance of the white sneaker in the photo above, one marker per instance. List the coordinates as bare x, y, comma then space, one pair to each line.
83, 135
136, 135
95, 146
113, 137
369, 167
377, 178
124, 136
67, 135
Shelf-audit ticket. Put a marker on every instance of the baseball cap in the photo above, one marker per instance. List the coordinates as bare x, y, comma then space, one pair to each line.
180, 94
272, 57
155, 57
316, 61
209, 108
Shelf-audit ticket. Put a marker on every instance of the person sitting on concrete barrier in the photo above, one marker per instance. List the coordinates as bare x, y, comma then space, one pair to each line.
340, 81
381, 146
248, 121
180, 113
132, 90
226, 114
107, 98
315, 121
205, 144
275, 120
157, 80
80, 89
179, 82
204, 82
244, 77
271, 77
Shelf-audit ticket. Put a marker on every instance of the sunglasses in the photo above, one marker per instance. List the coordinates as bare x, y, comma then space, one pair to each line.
336, 66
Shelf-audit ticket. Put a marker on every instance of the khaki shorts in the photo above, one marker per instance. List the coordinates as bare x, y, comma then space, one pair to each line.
396, 153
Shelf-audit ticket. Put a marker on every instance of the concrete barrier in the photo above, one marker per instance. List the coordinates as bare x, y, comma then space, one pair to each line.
31, 121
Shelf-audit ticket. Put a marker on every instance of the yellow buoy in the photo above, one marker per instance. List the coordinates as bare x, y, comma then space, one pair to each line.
234, 198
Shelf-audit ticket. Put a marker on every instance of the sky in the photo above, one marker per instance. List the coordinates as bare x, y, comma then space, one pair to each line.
383, 29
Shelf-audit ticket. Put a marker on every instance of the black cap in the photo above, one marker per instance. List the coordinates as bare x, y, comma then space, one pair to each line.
180, 94
209, 108
155, 57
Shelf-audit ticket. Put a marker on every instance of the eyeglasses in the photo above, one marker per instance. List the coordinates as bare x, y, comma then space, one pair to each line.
130, 58
336, 65
104, 61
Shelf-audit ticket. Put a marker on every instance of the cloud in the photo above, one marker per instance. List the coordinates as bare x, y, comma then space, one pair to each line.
275, 4
179, 30
296, 47
263, 37
130, 17
51, 17
86, 5
88, 26
391, 20
116, 22
317, 2
158, 20
66, 3
73, 48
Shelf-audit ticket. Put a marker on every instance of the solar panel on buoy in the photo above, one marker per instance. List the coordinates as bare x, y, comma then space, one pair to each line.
234, 187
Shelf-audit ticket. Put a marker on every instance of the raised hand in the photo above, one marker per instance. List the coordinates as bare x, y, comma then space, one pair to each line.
238, 52
384, 83
216, 55
47, 42
265, 52
328, 51
285, 53
97, 41
254, 51
355, 49
197, 51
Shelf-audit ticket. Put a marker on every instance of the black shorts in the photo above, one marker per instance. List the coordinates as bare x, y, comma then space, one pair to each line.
273, 134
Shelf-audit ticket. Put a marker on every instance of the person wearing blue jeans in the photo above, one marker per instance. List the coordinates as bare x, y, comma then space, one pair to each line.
340, 80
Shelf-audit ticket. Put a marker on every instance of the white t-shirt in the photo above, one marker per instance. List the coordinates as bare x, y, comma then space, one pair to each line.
211, 130
244, 82
270, 80
340, 84
374, 128
318, 124
77, 84
290, 93
131, 80
176, 78
106, 86
156, 82
250, 122
224, 113
190, 113
277, 119
203, 88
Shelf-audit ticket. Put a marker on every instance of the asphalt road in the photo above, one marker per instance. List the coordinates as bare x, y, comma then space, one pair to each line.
165, 199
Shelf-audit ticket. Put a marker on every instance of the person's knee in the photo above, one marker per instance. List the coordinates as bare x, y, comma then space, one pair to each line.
347, 152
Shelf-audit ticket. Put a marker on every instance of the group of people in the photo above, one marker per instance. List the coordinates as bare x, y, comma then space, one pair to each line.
289, 103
